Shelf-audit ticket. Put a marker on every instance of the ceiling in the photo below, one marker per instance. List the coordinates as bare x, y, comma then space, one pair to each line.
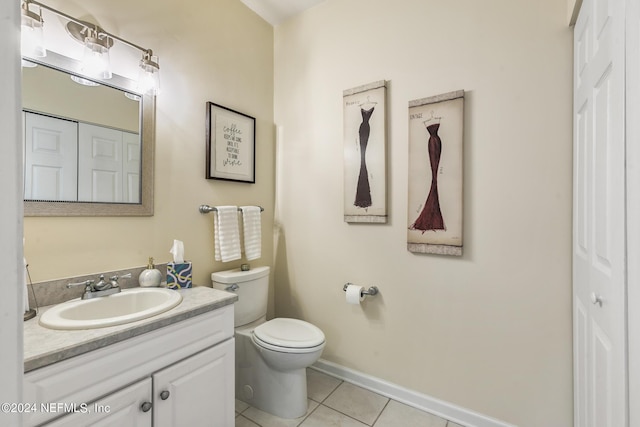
277, 11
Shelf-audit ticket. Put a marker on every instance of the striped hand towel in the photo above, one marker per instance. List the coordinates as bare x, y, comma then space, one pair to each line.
252, 232
226, 233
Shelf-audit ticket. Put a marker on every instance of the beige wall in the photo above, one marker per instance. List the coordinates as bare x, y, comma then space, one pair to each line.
490, 331
209, 51
51, 91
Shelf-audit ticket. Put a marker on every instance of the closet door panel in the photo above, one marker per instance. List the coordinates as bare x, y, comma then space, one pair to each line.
50, 158
100, 164
599, 252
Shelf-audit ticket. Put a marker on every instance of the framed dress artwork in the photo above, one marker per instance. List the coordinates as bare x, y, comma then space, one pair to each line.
365, 135
435, 174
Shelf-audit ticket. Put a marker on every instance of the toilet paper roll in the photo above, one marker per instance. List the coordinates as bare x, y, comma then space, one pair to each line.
354, 294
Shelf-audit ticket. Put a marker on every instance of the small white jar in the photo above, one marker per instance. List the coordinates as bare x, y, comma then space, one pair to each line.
150, 277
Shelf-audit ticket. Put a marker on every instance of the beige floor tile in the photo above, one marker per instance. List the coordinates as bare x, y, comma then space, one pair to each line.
452, 424
398, 414
243, 422
241, 406
267, 420
357, 402
323, 417
320, 385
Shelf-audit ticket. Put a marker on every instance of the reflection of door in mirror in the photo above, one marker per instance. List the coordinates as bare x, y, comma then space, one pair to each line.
81, 142
50, 158
108, 165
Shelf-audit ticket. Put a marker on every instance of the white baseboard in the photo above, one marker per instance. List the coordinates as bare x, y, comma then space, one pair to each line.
412, 398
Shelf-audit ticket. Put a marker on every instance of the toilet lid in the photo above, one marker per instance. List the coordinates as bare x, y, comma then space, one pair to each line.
289, 333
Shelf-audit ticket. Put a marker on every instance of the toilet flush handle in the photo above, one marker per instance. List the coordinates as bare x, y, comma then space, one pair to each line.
232, 288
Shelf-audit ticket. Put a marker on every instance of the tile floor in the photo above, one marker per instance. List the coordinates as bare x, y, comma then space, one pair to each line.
333, 402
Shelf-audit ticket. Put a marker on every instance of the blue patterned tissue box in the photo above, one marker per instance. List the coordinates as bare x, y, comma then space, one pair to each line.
179, 275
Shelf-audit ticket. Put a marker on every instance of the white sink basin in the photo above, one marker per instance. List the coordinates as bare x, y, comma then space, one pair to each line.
126, 306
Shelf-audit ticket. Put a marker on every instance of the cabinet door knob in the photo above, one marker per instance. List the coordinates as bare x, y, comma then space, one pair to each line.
596, 299
164, 395
146, 406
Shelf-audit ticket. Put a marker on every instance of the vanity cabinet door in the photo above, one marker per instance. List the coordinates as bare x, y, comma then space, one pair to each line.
198, 391
123, 408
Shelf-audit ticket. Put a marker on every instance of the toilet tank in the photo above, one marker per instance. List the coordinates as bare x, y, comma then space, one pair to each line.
252, 290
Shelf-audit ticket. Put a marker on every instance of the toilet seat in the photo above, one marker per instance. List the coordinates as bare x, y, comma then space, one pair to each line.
289, 336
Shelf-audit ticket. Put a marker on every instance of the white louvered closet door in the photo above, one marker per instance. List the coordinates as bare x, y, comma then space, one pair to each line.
599, 230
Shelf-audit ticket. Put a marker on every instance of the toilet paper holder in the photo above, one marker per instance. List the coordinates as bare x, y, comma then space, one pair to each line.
373, 290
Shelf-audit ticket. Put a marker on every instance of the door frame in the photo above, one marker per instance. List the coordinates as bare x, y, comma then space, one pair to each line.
11, 212
632, 83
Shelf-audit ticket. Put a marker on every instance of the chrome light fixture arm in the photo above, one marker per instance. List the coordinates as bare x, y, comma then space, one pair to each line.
91, 34
101, 33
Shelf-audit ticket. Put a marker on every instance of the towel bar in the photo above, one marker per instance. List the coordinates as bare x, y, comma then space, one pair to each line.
206, 209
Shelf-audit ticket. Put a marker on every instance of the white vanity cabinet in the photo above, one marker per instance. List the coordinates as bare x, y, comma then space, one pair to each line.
178, 375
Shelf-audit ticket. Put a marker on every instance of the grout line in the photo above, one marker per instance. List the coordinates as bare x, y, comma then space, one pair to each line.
305, 418
385, 407
249, 419
245, 409
347, 415
332, 391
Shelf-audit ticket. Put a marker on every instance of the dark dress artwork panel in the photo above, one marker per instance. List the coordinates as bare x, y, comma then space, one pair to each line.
430, 217
435, 174
365, 153
363, 191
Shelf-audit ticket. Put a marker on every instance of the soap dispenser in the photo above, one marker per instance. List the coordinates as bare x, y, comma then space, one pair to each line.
150, 276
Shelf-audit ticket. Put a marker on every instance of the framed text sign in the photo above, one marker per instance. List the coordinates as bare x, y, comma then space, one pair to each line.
231, 144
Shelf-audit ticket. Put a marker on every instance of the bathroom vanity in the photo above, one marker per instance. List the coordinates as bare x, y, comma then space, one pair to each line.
173, 369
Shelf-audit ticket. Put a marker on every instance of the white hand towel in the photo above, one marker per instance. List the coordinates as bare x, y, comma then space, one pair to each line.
252, 232
226, 233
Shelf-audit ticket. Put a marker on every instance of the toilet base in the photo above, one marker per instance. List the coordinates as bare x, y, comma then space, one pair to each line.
283, 394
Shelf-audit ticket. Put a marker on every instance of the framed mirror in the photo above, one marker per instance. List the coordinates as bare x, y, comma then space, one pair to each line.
89, 144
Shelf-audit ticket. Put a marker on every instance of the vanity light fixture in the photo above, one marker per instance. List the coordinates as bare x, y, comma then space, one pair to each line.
32, 35
97, 42
149, 73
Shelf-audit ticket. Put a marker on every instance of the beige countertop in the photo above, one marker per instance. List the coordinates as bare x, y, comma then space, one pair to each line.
43, 346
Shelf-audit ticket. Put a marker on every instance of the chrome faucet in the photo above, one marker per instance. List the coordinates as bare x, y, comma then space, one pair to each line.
102, 288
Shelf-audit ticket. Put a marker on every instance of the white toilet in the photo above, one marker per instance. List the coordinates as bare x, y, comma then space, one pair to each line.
271, 356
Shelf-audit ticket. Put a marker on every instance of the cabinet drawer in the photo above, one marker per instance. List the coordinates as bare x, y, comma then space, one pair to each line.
92, 375
119, 409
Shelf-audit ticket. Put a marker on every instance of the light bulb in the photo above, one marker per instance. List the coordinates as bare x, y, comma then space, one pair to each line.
95, 61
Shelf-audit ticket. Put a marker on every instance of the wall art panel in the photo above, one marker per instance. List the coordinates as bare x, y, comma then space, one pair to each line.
365, 135
435, 174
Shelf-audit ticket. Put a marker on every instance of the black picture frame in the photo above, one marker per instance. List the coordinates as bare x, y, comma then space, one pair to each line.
230, 145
